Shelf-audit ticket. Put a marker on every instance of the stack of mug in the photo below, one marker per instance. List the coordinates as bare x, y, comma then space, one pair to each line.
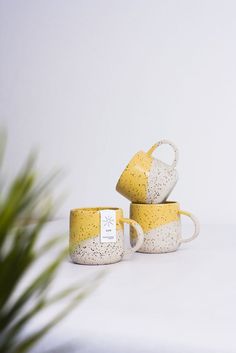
97, 234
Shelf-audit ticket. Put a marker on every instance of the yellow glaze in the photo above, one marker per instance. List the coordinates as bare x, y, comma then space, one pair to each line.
151, 216
134, 179
85, 223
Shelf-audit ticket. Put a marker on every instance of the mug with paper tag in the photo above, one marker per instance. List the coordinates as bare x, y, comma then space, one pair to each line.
97, 235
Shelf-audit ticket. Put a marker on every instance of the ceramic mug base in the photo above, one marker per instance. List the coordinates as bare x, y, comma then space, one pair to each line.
147, 251
161, 181
173, 186
94, 263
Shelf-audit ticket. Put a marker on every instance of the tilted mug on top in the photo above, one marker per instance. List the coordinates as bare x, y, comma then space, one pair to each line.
97, 235
161, 226
147, 179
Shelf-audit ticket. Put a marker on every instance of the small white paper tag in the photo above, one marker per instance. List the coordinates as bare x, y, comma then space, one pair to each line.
108, 226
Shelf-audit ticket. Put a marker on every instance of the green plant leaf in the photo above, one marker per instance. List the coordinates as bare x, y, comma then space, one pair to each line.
25, 207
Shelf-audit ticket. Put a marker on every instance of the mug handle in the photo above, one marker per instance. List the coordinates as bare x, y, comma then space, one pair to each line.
166, 142
140, 236
196, 227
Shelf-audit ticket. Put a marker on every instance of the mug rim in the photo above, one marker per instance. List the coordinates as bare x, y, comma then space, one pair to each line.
95, 209
155, 204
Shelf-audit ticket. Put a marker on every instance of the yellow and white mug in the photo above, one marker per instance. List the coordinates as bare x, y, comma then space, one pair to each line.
161, 226
97, 235
147, 179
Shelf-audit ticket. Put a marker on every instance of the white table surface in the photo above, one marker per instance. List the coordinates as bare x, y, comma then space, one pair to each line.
170, 303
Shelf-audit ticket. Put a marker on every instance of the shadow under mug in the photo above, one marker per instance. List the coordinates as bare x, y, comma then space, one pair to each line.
161, 225
147, 179
85, 245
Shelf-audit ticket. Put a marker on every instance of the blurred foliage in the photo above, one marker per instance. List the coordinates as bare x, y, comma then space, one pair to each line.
25, 208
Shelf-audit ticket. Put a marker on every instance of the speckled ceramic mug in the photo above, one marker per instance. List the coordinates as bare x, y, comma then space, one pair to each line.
146, 179
87, 244
161, 226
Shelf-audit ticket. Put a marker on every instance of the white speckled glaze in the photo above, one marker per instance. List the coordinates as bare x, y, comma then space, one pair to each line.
93, 252
165, 238
161, 181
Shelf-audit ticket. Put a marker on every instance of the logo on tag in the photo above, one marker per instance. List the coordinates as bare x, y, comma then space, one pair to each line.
108, 226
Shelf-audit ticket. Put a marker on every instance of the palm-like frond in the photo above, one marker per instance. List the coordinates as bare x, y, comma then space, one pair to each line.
24, 200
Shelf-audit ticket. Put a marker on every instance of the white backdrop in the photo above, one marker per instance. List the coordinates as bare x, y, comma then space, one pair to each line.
92, 82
